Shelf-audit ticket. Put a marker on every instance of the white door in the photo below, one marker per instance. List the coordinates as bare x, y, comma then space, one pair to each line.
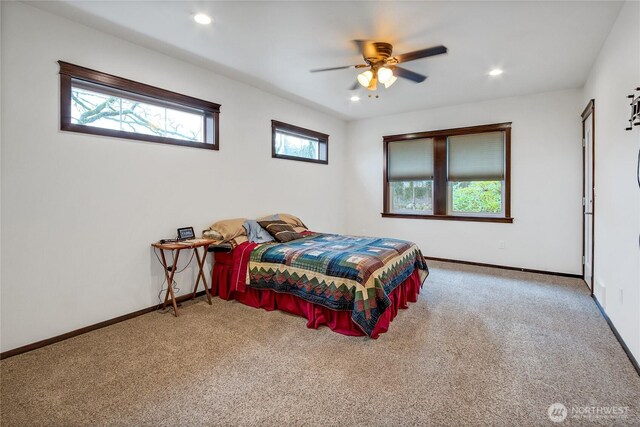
588, 192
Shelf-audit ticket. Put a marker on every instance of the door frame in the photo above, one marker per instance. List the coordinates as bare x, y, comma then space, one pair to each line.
590, 109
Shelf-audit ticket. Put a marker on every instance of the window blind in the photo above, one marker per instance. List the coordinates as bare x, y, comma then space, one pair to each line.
476, 157
410, 160
295, 134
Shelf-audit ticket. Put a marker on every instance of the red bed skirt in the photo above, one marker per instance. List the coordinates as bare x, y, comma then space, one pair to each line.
316, 315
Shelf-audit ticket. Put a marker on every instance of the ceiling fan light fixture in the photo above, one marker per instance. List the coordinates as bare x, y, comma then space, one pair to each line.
384, 74
365, 78
380, 66
373, 84
389, 82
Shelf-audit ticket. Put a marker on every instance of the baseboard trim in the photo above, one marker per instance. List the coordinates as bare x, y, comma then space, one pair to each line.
53, 340
504, 267
633, 360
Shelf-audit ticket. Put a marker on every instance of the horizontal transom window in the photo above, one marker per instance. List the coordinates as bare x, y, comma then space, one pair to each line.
102, 104
296, 143
449, 174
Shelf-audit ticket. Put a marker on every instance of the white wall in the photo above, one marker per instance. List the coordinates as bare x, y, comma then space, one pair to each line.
79, 212
615, 74
546, 182
0, 164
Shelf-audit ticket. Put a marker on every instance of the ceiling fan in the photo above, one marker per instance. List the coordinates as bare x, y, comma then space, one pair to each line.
382, 67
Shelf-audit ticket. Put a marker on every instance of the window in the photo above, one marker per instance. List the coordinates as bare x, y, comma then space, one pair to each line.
455, 174
296, 143
410, 175
102, 104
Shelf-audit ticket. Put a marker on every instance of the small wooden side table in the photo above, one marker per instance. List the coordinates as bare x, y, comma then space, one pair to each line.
169, 271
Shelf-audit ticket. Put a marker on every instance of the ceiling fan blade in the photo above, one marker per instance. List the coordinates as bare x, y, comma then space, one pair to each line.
317, 70
355, 86
424, 53
404, 73
366, 48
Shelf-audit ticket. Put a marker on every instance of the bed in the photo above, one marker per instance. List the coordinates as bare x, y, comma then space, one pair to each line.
354, 285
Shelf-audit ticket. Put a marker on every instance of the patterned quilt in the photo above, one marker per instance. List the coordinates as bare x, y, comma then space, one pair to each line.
338, 272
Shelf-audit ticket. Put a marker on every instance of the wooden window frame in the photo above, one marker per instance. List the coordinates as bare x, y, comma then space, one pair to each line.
322, 138
440, 183
70, 71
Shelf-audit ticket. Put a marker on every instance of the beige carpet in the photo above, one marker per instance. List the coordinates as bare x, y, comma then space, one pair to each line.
480, 347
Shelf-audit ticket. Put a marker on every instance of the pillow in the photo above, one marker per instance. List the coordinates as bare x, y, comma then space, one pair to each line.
282, 231
289, 219
229, 228
255, 233
213, 235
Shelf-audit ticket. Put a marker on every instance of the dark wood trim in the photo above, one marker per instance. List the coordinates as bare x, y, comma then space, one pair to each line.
632, 359
69, 71
216, 130
300, 130
507, 172
58, 338
440, 176
584, 178
504, 267
593, 196
440, 183
300, 159
132, 96
590, 109
386, 201
92, 130
65, 100
449, 132
450, 217
121, 83
322, 138
273, 140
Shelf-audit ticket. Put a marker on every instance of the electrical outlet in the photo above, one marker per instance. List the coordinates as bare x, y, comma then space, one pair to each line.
621, 295
501, 244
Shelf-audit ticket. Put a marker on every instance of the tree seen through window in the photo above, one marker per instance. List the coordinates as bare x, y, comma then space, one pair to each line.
112, 112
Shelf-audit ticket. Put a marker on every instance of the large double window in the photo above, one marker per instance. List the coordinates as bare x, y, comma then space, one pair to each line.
457, 174
102, 104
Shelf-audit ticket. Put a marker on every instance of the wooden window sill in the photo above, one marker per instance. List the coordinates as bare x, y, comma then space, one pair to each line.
508, 220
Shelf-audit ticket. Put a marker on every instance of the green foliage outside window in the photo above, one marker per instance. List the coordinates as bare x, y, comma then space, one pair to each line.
477, 196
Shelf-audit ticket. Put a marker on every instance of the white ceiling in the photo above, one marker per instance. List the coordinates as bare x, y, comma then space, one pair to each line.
542, 46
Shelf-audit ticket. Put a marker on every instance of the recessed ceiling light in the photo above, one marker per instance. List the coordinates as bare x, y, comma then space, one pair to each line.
203, 19
355, 98
495, 72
